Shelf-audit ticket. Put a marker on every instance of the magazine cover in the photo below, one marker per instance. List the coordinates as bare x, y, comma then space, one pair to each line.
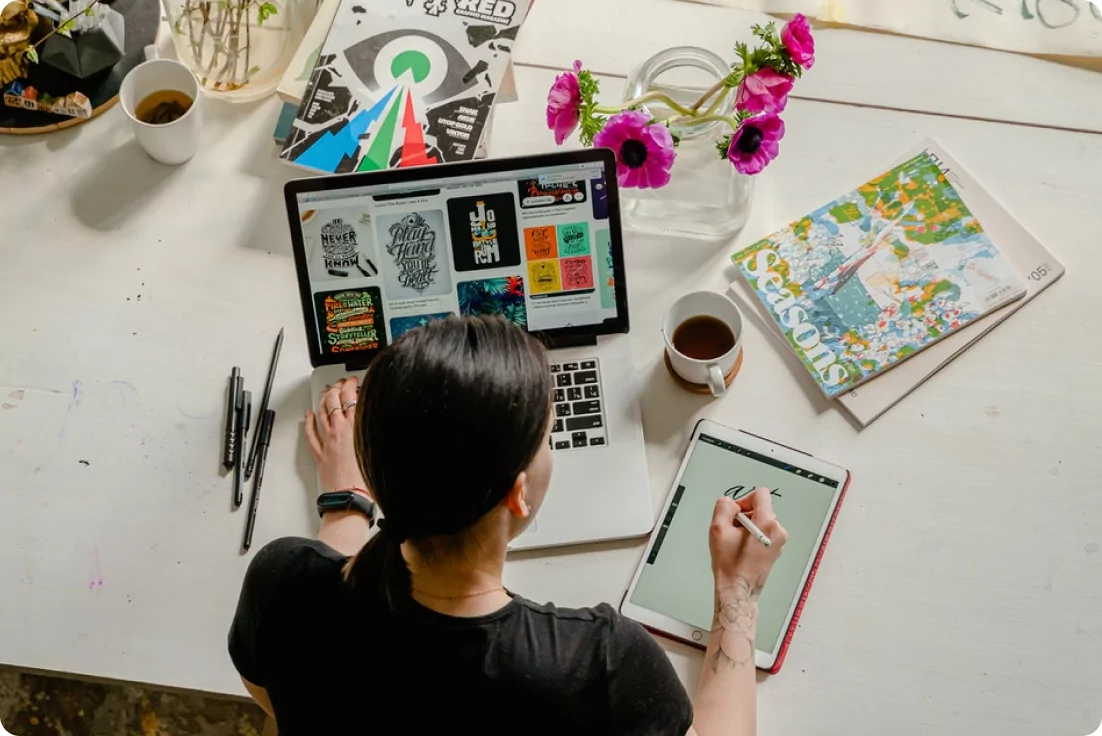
404, 83
877, 275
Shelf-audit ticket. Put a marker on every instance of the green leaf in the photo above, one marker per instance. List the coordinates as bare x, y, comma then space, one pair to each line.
32, 55
66, 28
723, 145
266, 10
253, 70
89, 10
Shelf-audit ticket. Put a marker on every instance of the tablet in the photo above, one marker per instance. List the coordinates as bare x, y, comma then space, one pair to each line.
672, 592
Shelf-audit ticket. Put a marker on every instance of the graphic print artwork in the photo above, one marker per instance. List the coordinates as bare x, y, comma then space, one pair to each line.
875, 276
338, 245
350, 321
403, 84
401, 325
484, 232
415, 265
504, 297
340, 250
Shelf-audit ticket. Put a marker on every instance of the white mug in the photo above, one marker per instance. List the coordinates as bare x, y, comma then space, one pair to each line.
170, 143
710, 372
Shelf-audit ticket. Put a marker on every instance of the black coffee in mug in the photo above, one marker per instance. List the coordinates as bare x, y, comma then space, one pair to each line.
703, 338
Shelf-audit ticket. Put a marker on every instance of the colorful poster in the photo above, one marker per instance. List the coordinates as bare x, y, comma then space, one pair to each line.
577, 273
875, 276
605, 272
415, 263
574, 239
543, 277
484, 232
503, 296
404, 83
536, 193
540, 242
350, 321
401, 325
339, 244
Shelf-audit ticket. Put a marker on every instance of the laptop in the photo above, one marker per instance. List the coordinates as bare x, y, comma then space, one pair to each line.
536, 240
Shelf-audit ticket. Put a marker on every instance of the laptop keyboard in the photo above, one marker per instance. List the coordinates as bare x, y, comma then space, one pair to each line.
579, 419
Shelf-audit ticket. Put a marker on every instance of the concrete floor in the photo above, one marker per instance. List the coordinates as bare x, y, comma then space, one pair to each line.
36, 705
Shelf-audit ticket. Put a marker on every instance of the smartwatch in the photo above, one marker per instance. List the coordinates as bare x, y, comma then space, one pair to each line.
347, 501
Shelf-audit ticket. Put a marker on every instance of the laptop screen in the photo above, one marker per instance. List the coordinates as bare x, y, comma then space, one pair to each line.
535, 245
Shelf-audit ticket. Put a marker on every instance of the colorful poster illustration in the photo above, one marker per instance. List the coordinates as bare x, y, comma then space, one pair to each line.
401, 325
577, 273
350, 321
605, 272
339, 244
538, 192
503, 296
599, 198
540, 242
875, 276
484, 232
415, 263
574, 239
404, 83
543, 277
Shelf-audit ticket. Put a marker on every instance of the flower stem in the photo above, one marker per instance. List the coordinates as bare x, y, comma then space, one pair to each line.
704, 97
695, 120
648, 97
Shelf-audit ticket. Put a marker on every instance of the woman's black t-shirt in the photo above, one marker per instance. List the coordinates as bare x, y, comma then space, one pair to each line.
335, 662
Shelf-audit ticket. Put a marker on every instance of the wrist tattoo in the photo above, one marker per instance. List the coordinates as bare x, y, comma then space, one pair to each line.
734, 622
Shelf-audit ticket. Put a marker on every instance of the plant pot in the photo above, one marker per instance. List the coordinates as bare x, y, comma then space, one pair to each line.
706, 198
84, 59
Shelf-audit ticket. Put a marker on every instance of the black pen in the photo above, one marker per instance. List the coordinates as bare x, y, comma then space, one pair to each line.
229, 439
264, 438
244, 411
264, 403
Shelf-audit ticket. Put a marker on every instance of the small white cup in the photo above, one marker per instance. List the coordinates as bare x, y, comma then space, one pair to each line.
171, 143
711, 372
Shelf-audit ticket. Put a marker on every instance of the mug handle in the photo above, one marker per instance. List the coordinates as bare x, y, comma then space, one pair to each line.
715, 380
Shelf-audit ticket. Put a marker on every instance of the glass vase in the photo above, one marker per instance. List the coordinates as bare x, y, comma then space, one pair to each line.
706, 198
238, 49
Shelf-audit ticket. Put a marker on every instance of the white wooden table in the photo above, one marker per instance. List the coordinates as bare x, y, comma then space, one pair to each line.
960, 593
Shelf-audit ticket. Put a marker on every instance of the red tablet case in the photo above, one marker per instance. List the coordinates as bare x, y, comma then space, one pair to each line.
810, 576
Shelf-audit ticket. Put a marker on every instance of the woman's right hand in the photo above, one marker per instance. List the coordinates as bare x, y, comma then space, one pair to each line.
329, 434
737, 557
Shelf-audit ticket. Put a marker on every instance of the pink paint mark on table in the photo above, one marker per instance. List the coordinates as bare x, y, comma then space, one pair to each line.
95, 579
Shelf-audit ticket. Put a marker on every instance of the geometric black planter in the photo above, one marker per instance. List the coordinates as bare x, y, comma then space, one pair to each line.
86, 58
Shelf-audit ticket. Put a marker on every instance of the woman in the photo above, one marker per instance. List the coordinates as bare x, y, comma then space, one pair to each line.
413, 631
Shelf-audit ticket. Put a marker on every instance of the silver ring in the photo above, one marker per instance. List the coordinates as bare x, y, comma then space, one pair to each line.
330, 411
349, 404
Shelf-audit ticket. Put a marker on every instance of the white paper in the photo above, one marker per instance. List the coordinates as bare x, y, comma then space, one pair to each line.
1058, 27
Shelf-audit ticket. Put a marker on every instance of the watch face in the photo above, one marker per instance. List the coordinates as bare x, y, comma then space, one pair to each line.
334, 501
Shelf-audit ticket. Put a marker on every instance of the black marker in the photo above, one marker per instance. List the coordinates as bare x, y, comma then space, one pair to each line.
264, 435
244, 414
229, 439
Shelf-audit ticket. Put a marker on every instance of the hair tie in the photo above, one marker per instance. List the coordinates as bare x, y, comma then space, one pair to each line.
388, 528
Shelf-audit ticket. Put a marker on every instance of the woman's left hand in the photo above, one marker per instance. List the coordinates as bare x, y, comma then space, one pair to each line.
330, 436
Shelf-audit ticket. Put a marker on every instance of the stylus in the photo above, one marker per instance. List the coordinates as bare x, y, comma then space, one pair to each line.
251, 465
264, 432
753, 529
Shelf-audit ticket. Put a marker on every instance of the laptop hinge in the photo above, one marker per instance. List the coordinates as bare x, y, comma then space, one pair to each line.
356, 367
574, 341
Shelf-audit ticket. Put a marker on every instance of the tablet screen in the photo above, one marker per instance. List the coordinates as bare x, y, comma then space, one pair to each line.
677, 578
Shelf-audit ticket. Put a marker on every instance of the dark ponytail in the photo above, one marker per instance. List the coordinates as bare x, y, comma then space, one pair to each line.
447, 418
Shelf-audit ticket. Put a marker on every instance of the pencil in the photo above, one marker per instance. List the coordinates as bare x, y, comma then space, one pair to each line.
753, 529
